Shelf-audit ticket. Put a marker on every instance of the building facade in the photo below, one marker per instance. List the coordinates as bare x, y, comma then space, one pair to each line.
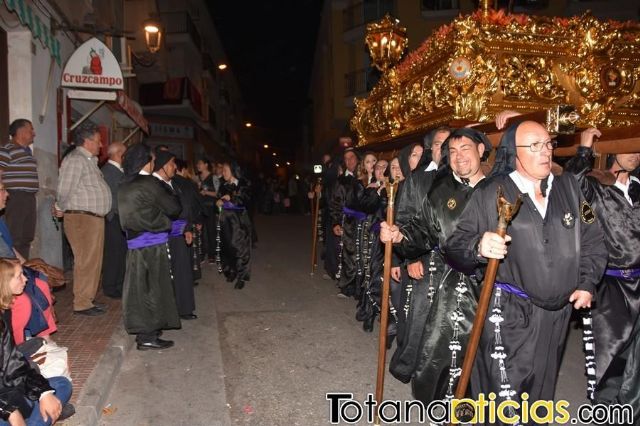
342, 70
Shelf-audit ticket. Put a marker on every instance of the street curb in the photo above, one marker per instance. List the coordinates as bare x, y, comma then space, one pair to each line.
98, 386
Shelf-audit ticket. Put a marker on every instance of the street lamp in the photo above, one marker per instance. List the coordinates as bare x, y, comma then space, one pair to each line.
248, 124
386, 41
222, 67
265, 146
152, 35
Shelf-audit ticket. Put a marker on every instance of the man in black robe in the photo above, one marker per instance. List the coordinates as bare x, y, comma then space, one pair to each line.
146, 212
344, 214
555, 258
615, 197
165, 169
115, 242
435, 340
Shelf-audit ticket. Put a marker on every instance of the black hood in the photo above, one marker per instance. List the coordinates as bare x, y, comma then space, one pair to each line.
473, 134
403, 159
505, 161
506, 156
135, 158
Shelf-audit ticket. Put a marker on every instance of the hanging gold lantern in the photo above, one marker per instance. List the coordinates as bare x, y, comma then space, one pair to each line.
386, 41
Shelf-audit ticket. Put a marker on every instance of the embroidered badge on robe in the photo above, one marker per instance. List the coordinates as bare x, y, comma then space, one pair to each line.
587, 214
451, 203
568, 220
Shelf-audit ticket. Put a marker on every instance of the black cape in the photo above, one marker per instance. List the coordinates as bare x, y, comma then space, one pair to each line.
549, 259
431, 329
148, 300
617, 309
235, 232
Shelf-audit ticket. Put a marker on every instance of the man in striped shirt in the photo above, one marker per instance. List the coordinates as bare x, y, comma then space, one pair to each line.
20, 176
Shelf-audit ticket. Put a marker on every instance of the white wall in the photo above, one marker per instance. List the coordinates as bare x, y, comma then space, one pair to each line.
28, 72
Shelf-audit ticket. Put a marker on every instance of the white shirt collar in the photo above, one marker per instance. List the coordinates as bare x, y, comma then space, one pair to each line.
156, 175
144, 173
432, 166
459, 179
348, 173
116, 164
528, 187
625, 188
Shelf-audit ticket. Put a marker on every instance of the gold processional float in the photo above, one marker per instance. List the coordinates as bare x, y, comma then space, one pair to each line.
569, 73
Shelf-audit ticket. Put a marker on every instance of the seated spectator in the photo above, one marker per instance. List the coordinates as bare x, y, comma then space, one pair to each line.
32, 311
27, 397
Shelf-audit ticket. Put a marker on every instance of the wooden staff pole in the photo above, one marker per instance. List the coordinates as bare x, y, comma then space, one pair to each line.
506, 211
316, 212
384, 309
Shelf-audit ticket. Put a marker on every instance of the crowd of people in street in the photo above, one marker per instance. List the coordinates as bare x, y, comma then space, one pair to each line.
142, 225
571, 250
154, 223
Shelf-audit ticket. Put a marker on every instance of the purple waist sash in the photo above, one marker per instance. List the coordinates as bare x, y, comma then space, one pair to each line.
177, 228
354, 213
228, 205
512, 289
623, 273
147, 239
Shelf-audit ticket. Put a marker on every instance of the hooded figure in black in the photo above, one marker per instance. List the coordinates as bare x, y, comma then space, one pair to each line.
146, 210
372, 251
414, 162
555, 257
234, 226
346, 219
330, 255
616, 322
181, 258
442, 309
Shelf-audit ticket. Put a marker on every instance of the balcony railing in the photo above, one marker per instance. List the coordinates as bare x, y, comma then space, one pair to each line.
175, 91
366, 11
361, 81
181, 23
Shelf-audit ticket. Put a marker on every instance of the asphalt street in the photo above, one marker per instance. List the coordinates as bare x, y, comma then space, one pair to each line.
268, 354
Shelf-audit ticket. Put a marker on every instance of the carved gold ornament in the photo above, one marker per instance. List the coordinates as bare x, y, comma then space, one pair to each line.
481, 64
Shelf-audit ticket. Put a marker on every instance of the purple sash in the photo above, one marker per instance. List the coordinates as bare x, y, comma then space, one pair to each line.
512, 289
354, 213
228, 205
623, 273
177, 228
148, 239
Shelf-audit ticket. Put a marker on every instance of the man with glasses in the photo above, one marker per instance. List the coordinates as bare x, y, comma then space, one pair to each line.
551, 260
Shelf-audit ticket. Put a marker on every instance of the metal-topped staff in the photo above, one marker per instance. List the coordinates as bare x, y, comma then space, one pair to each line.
316, 211
384, 309
506, 212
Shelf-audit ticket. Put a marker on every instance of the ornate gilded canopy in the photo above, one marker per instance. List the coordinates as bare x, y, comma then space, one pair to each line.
482, 64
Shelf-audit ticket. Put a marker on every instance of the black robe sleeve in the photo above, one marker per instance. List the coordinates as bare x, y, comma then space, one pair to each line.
579, 166
336, 203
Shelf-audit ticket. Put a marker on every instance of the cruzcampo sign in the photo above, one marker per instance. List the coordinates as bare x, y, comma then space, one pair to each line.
93, 66
39, 30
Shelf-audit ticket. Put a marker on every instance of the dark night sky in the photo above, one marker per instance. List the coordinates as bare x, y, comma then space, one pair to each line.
270, 46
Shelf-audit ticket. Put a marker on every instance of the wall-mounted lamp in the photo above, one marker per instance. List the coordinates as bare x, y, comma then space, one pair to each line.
222, 67
152, 35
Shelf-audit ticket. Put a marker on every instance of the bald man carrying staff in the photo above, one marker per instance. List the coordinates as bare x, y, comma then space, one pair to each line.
551, 260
